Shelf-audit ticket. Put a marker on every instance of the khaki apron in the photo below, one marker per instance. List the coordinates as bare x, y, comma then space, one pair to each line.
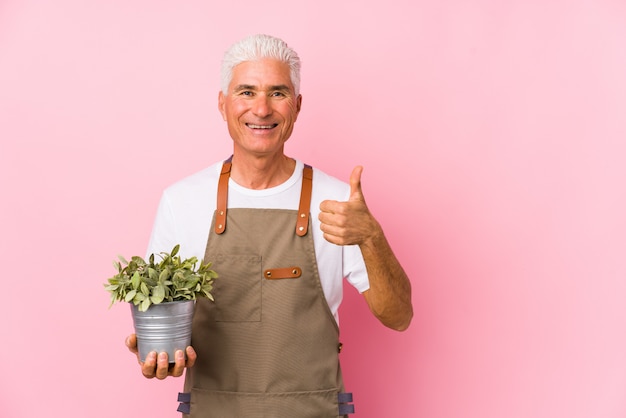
268, 346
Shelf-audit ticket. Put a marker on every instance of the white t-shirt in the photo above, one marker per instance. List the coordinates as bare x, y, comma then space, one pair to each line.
186, 210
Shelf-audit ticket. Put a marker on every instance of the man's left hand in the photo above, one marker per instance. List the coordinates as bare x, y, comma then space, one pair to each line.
348, 223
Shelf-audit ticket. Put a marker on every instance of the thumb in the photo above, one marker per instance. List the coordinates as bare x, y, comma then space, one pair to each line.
355, 184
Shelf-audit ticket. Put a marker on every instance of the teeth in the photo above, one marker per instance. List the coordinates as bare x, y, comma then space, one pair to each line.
260, 126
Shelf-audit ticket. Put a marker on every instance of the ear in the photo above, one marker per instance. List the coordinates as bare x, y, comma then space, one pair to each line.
298, 103
221, 104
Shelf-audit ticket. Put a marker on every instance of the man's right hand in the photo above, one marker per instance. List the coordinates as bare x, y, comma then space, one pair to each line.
158, 365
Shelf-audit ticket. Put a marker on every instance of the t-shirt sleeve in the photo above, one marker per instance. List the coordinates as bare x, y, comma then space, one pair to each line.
354, 268
163, 237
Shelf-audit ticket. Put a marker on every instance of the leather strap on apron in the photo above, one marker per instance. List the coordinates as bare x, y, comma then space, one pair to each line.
268, 346
222, 198
302, 225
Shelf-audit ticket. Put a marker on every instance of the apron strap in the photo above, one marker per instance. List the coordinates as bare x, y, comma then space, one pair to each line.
345, 403
184, 400
222, 197
302, 224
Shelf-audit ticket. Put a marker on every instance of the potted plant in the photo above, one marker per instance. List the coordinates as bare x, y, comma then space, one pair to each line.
162, 297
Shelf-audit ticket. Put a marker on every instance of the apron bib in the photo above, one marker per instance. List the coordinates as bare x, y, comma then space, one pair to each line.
268, 346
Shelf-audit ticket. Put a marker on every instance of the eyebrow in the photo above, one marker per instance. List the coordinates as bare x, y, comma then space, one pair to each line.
279, 87
244, 87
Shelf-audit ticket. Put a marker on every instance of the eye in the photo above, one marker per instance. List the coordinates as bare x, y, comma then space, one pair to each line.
245, 93
278, 94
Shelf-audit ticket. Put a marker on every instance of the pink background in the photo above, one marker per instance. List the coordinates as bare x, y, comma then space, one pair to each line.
493, 139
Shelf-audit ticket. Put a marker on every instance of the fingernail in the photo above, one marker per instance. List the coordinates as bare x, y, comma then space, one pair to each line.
162, 356
180, 355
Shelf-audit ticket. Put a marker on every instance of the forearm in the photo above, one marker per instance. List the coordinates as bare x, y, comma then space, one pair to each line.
351, 223
389, 295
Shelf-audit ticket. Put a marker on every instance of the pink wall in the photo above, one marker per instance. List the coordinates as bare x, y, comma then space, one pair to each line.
493, 139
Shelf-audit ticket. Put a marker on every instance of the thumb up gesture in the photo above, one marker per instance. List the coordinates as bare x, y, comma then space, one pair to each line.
348, 223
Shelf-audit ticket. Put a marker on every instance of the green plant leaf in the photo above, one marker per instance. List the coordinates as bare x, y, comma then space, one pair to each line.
165, 274
144, 289
158, 294
135, 281
171, 279
145, 305
130, 295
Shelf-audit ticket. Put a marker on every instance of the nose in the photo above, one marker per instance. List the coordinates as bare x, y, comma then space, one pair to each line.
262, 106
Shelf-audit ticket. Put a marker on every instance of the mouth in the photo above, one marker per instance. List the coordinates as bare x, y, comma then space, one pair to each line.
253, 126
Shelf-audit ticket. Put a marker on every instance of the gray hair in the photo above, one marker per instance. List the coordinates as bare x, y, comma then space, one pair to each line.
257, 47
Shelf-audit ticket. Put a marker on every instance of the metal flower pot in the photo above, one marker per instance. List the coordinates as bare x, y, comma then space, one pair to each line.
164, 327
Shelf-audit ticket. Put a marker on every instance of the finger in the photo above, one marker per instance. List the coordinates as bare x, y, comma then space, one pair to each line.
191, 356
334, 226
355, 183
179, 364
328, 206
333, 239
131, 343
163, 364
148, 368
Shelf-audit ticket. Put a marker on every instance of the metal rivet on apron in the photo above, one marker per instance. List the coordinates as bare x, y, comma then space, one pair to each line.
268, 273
302, 215
340, 347
301, 228
294, 271
220, 226
221, 212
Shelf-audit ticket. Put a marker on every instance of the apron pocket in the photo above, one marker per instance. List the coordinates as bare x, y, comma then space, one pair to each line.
237, 290
221, 404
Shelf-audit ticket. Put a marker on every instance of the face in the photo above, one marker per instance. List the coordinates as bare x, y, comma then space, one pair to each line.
261, 107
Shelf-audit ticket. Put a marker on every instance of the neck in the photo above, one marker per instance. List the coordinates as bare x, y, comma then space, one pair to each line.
261, 172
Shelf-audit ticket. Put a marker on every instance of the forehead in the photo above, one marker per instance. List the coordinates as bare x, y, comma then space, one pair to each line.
261, 73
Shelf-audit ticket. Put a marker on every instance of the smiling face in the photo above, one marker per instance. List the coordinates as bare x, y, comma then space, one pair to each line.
261, 107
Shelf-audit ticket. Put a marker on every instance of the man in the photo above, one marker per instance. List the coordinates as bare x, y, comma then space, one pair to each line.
281, 236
